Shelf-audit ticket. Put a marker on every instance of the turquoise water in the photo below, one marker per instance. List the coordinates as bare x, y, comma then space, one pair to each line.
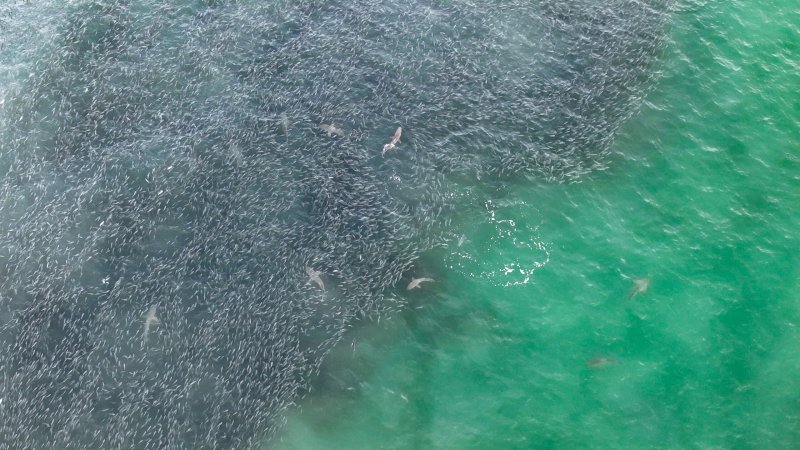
528, 339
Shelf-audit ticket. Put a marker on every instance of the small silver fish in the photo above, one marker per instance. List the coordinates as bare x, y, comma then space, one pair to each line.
415, 282
640, 286
331, 130
314, 275
462, 239
150, 319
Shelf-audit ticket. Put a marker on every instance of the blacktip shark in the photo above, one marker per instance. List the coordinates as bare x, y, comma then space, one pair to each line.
640, 286
150, 319
314, 275
395, 140
599, 362
415, 282
331, 130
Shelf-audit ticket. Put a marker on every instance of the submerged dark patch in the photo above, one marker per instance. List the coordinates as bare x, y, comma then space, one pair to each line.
170, 156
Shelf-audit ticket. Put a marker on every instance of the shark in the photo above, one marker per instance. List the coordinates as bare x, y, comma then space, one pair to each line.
314, 275
395, 140
415, 282
599, 362
285, 125
150, 319
331, 130
640, 286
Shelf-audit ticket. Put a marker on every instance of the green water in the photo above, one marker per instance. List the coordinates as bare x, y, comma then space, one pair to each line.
528, 339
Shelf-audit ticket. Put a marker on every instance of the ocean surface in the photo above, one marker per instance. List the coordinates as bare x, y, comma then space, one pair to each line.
605, 194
